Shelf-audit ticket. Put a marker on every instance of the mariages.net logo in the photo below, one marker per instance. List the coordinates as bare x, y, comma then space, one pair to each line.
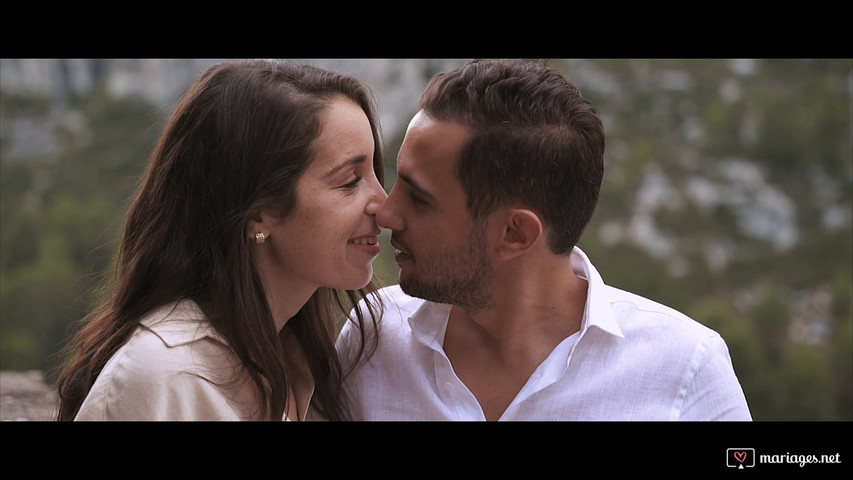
742, 458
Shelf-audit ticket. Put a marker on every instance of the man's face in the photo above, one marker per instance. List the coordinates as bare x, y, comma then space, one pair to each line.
441, 251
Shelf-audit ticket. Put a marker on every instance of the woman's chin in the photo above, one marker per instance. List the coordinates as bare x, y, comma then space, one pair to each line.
355, 282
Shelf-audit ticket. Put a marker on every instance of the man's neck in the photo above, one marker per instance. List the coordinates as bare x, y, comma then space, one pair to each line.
532, 304
495, 350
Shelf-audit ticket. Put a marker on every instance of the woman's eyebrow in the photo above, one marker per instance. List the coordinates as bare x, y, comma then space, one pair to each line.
337, 168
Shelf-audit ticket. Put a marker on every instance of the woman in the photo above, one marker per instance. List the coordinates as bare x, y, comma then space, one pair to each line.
252, 230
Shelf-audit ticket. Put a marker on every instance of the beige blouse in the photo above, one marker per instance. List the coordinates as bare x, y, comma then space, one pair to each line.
177, 367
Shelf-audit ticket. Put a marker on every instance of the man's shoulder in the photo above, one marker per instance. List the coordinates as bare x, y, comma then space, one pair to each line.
394, 291
634, 311
396, 300
396, 305
396, 309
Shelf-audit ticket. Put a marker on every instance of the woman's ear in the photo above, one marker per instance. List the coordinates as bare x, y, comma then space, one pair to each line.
256, 220
260, 222
521, 228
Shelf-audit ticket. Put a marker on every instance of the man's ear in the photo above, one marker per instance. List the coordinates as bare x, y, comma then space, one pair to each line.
520, 230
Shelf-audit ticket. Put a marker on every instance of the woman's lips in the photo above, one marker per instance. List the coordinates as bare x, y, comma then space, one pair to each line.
368, 244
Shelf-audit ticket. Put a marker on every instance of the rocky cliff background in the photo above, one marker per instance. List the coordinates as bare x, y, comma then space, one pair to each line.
25, 396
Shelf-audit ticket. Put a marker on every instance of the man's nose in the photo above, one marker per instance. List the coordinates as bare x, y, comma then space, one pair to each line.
388, 215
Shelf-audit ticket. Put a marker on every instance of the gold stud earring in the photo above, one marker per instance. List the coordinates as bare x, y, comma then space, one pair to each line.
260, 237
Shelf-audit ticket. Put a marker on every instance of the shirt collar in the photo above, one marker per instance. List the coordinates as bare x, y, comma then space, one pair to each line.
598, 312
429, 320
179, 323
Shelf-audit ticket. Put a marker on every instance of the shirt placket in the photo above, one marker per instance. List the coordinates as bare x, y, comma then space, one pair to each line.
547, 373
453, 393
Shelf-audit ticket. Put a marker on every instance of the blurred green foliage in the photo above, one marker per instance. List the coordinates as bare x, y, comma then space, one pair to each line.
60, 219
785, 312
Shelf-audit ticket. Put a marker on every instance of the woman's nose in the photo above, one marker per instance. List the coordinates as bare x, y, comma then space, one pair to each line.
387, 215
376, 199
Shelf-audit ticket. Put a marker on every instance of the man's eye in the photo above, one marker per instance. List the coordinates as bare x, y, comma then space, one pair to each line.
417, 200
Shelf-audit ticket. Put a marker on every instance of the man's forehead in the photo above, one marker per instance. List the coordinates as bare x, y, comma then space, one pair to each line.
440, 139
422, 119
429, 151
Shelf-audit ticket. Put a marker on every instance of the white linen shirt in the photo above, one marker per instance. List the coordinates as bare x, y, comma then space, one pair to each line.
176, 366
633, 359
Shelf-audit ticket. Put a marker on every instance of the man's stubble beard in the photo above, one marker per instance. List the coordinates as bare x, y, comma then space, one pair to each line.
462, 277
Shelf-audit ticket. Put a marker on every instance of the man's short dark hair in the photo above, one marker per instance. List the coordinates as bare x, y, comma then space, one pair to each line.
536, 142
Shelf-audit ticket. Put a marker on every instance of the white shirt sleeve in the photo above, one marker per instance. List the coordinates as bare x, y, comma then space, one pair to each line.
714, 393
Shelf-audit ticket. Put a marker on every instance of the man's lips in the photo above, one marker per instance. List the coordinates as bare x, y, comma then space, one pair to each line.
396, 244
400, 253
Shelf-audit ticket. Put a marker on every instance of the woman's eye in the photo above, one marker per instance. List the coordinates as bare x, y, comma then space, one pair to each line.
353, 183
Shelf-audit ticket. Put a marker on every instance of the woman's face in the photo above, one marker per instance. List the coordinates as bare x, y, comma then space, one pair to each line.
331, 238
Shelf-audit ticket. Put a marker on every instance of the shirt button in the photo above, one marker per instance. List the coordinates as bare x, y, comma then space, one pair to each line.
448, 386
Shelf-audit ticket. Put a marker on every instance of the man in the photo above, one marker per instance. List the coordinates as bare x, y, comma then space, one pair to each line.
498, 315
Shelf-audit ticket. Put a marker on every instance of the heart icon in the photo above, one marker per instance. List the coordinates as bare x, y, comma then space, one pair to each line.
740, 456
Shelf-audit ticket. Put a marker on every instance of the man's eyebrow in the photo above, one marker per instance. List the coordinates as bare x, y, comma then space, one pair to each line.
415, 186
337, 168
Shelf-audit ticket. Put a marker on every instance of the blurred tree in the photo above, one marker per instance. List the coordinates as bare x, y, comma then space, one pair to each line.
840, 357
61, 219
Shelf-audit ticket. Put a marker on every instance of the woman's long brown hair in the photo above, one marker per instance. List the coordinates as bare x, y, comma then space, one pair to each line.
237, 143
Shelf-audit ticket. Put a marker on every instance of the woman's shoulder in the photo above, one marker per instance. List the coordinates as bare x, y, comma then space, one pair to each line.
174, 362
175, 339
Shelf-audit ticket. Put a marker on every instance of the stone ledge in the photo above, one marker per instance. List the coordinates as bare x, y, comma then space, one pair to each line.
25, 397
